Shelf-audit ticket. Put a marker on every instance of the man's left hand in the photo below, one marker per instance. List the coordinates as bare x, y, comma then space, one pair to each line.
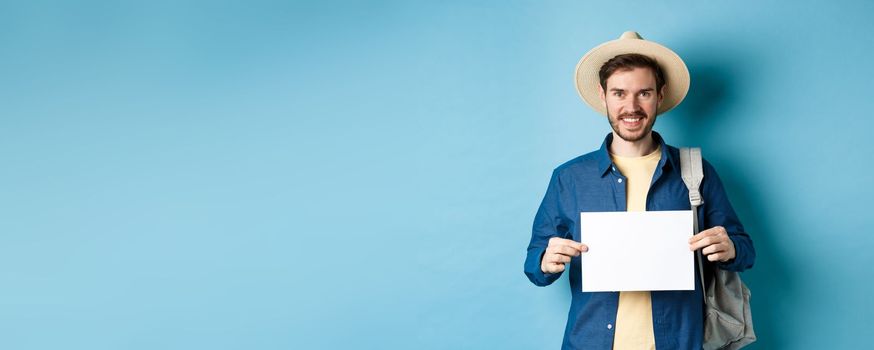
715, 243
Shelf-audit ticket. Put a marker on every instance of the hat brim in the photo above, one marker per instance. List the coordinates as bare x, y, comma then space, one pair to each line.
676, 74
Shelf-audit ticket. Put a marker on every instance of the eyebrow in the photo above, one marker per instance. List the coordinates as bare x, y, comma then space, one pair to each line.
641, 90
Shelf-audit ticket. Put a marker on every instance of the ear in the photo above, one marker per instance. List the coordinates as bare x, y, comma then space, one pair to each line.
601, 94
662, 93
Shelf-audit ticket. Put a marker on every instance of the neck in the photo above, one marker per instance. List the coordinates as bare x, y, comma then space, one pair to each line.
637, 148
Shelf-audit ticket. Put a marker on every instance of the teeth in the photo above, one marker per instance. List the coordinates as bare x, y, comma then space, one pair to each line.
632, 120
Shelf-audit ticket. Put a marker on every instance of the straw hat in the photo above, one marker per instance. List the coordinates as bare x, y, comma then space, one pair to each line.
675, 71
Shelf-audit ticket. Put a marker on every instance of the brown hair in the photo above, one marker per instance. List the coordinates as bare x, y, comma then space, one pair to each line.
629, 61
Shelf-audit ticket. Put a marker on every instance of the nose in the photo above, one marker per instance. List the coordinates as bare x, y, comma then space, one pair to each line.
632, 104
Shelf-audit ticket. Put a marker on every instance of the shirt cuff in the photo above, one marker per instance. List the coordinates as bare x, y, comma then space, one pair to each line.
533, 271
735, 264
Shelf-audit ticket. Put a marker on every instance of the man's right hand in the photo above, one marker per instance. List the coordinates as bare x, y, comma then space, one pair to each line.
559, 252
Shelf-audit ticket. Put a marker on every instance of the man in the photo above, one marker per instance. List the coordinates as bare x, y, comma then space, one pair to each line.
631, 81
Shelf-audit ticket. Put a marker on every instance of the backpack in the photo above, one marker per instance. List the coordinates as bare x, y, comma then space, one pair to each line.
728, 323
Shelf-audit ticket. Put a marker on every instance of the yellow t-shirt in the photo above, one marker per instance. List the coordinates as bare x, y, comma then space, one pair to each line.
634, 328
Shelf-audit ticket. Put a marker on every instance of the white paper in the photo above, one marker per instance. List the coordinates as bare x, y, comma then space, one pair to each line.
637, 251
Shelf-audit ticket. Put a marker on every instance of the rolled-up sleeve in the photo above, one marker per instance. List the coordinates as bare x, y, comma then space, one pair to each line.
719, 212
547, 224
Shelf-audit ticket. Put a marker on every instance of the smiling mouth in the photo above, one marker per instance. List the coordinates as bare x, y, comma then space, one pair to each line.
632, 121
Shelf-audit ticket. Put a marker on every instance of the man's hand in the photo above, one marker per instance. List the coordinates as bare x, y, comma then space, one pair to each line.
717, 246
559, 252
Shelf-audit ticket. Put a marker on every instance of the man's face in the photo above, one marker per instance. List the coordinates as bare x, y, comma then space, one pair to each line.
631, 100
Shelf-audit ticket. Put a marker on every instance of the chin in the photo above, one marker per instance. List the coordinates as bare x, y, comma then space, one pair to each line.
633, 136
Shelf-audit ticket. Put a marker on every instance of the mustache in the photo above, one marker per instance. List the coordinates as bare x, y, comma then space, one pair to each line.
640, 114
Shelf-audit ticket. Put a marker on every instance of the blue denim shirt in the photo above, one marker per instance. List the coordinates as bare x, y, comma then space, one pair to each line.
591, 182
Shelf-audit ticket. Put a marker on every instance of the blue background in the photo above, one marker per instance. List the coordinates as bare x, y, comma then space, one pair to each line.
364, 174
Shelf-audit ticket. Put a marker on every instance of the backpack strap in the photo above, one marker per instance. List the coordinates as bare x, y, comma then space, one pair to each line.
692, 171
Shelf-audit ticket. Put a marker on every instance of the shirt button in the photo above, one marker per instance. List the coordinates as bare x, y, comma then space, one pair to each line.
609, 326
620, 180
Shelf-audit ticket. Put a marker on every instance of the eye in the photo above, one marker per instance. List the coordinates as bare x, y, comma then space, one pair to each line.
617, 93
644, 93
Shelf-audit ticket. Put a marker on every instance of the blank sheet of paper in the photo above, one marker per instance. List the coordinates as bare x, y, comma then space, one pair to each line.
636, 251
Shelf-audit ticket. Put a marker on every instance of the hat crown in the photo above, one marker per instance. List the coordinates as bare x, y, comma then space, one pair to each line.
631, 35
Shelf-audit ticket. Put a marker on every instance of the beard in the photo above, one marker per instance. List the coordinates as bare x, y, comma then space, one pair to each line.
631, 136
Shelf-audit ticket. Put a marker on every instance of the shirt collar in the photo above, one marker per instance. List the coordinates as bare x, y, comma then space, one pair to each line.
605, 163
